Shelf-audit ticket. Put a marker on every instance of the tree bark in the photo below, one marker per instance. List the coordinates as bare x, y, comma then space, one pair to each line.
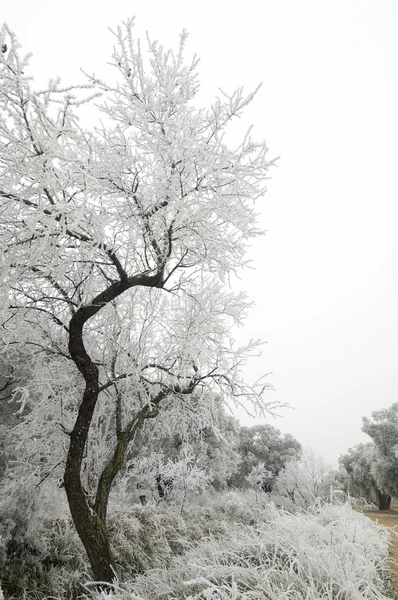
384, 500
91, 530
89, 525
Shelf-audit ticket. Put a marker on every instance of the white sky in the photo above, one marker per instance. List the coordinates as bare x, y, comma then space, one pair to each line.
325, 284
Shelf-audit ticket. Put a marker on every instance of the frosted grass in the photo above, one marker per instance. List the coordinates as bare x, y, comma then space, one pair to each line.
328, 552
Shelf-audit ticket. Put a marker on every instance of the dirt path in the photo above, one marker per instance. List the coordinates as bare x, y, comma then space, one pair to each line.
389, 518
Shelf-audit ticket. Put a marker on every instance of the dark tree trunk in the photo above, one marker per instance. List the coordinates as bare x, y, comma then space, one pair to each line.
384, 501
92, 532
90, 518
90, 525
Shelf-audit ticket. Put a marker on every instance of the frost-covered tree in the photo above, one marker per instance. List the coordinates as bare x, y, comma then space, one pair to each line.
360, 464
260, 478
304, 480
372, 469
266, 445
383, 429
116, 247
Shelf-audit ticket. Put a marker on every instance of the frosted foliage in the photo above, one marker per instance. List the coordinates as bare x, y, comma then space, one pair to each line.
25, 506
153, 191
156, 185
259, 476
211, 437
44, 397
358, 464
218, 455
184, 475
264, 444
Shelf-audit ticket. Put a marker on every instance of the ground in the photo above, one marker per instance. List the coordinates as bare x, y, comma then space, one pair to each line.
389, 518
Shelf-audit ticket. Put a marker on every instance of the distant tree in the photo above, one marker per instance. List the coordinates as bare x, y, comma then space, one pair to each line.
116, 244
337, 481
217, 450
260, 478
266, 445
360, 465
304, 479
383, 429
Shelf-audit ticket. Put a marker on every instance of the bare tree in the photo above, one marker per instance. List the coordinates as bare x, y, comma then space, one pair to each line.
117, 243
305, 479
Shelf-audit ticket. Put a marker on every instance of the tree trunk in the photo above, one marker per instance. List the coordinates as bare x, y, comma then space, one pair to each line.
90, 525
92, 532
384, 501
90, 518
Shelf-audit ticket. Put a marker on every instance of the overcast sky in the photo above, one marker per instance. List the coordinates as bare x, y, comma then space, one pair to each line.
325, 281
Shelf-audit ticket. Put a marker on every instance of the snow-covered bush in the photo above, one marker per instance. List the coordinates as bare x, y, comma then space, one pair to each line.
213, 439
328, 553
144, 537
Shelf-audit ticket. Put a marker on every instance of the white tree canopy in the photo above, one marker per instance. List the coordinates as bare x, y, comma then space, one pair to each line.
153, 197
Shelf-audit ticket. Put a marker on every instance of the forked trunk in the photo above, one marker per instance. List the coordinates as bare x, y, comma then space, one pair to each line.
91, 530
